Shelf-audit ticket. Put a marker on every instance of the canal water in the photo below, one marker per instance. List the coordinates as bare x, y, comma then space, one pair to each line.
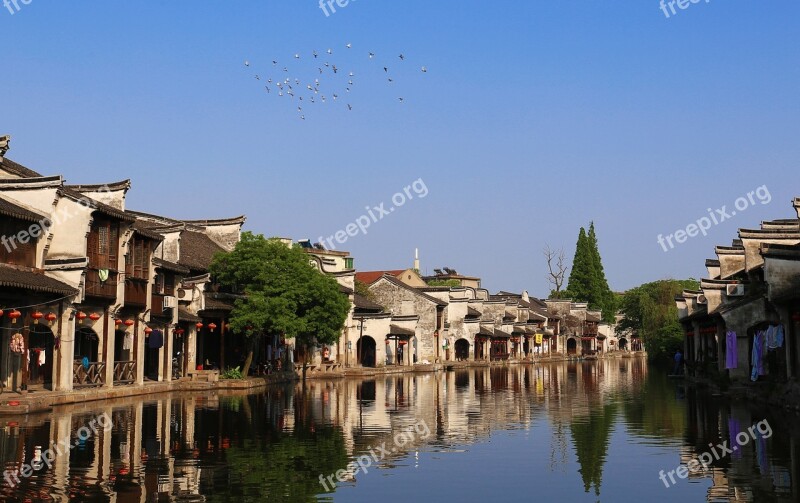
586, 431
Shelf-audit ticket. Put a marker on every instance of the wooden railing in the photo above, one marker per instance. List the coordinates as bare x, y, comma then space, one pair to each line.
124, 372
104, 289
91, 376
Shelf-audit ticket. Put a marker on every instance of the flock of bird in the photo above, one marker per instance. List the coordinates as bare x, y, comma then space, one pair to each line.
329, 83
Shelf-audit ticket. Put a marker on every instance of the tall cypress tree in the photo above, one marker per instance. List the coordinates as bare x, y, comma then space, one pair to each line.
580, 278
602, 295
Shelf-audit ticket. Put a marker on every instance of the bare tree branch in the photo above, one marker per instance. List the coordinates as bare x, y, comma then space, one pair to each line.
557, 269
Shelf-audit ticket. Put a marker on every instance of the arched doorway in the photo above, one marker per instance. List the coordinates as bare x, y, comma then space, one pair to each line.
40, 343
366, 351
572, 346
462, 349
623, 344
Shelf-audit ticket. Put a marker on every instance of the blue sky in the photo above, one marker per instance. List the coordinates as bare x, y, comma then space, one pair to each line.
533, 119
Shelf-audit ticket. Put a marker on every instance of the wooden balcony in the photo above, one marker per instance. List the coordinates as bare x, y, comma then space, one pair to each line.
102, 289
135, 292
157, 305
92, 376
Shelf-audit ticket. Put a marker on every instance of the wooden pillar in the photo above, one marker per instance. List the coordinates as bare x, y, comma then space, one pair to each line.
222, 346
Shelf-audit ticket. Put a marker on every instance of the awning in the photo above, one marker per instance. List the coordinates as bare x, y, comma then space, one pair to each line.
400, 332
499, 334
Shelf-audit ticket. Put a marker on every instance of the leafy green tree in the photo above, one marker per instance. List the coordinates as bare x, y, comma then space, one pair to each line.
282, 293
649, 311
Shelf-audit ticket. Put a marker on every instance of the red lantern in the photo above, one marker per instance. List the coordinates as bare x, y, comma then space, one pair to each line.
148, 331
14, 315
179, 331
1, 313
403, 343
199, 325
51, 317
36, 317
129, 323
212, 327
94, 316
117, 323
387, 342
81, 316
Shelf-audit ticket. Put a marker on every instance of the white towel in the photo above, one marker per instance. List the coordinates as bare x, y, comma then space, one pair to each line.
42, 357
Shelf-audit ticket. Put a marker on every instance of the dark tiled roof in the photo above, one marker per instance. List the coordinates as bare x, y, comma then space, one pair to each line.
397, 282
499, 334
11, 277
14, 210
215, 303
364, 304
144, 231
123, 185
370, 277
593, 317
197, 250
186, 316
346, 290
403, 332
712, 262
471, 311
18, 169
170, 266
486, 332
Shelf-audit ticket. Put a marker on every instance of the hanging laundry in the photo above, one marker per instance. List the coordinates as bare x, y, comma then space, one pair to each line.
731, 353
156, 339
127, 341
17, 345
103, 275
757, 360
770, 334
779, 336
41, 357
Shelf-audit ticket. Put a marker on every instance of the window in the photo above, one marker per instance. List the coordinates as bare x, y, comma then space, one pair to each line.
102, 244
348, 263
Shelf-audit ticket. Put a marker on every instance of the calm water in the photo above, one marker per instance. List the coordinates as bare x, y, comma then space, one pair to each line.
594, 431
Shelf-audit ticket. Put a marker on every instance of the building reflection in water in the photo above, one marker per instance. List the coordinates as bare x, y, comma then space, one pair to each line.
276, 444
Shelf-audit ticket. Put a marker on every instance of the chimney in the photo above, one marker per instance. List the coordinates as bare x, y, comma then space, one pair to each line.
525, 296
416, 259
4, 145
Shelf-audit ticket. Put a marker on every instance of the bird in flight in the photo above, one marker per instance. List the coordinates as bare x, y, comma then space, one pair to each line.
246, 63
401, 100
315, 54
330, 51
371, 55
349, 106
274, 62
386, 69
402, 58
424, 69
349, 46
